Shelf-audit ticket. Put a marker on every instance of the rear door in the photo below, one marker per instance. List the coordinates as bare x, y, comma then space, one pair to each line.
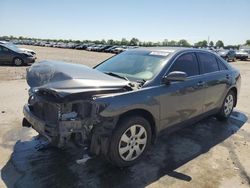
216, 78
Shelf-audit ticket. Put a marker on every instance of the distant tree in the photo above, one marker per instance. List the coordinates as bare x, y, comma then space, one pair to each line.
248, 43
103, 41
117, 42
110, 41
78, 41
201, 44
211, 43
219, 44
124, 41
165, 42
235, 47
134, 42
172, 43
183, 43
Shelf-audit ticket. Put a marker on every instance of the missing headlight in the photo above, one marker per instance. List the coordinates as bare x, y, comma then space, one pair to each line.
69, 116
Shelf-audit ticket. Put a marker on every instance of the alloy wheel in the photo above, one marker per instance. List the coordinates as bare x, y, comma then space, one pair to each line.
18, 62
132, 143
228, 105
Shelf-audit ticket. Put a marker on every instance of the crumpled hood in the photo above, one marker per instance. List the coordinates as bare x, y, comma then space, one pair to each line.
70, 78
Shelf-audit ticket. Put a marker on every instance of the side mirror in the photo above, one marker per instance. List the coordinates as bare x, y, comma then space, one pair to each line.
175, 76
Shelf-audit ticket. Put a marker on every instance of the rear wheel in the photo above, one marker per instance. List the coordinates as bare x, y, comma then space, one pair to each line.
130, 141
18, 61
227, 106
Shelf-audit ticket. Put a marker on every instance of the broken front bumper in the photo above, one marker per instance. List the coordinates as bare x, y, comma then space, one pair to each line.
57, 134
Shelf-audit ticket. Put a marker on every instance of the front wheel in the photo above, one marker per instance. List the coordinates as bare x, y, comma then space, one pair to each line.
227, 106
17, 61
130, 140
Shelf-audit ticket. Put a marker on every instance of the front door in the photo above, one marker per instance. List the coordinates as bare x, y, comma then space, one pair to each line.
182, 100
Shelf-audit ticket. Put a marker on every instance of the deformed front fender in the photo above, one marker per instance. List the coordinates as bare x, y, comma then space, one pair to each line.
111, 107
118, 104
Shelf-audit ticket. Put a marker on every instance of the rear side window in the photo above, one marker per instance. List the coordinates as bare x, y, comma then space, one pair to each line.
208, 62
222, 66
186, 63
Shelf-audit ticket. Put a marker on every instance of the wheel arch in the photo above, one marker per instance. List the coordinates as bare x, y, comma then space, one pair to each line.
234, 89
145, 114
15, 57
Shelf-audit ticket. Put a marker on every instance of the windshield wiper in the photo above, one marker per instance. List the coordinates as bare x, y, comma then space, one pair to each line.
116, 75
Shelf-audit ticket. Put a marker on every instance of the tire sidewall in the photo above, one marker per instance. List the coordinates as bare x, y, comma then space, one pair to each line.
15, 63
121, 127
222, 113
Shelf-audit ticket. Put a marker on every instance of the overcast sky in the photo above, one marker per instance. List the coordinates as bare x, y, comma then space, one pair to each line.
147, 20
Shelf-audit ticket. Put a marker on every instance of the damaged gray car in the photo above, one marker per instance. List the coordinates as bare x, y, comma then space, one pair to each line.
118, 108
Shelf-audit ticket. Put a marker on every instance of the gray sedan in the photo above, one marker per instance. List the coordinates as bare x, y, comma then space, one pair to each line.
119, 108
10, 54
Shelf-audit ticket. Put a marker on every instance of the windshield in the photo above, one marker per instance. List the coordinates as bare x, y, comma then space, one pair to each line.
134, 65
12, 47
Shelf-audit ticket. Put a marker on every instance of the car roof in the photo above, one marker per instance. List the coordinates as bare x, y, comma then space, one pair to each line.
171, 50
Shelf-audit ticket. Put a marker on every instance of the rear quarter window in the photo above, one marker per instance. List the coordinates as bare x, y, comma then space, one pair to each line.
222, 66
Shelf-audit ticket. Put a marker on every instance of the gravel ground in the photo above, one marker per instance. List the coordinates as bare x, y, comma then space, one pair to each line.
207, 154
46, 53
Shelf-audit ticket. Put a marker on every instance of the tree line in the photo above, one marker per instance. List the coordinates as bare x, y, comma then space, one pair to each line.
134, 42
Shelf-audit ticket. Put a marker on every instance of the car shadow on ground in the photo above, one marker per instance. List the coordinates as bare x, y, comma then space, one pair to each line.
30, 167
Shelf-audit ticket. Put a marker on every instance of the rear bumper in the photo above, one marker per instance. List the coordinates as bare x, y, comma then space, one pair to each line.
241, 56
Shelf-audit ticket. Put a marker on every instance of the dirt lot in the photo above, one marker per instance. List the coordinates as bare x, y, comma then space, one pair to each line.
207, 154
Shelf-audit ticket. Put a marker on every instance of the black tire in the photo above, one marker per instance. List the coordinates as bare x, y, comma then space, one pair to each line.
222, 115
121, 129
17, 61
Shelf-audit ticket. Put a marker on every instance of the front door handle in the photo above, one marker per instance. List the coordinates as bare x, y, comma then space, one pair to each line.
201, 84
228, 76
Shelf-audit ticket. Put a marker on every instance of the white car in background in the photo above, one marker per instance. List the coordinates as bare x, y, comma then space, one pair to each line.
246, 51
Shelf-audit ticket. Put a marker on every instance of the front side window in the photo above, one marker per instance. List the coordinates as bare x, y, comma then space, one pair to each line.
186, 63
209, 62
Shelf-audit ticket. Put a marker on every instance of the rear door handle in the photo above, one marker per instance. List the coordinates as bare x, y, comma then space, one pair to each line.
201, 84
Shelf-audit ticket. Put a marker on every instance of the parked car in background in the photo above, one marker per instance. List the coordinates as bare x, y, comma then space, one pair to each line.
10, 54
81, 47
118, 109
247, 51
90, 48
242, 55
228, 55
110, 49
103, 48
118, 49
22, 49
